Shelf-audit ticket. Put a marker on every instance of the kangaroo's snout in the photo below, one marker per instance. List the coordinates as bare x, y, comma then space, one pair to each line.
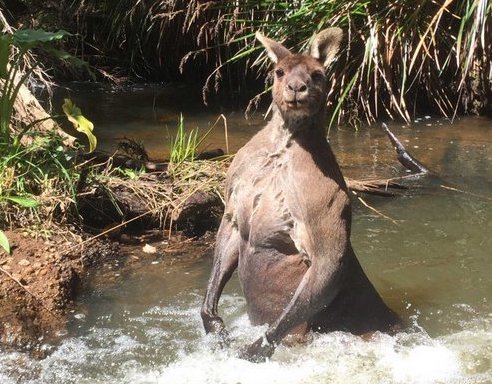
296, 86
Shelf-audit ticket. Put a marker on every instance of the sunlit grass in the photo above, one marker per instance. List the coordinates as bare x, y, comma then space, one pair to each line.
400, 57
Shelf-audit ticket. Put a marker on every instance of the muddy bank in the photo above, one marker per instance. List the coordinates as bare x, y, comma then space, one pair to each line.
38, 283
42, 276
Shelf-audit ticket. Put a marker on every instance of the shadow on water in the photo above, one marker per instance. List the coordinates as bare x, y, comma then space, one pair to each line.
433, 267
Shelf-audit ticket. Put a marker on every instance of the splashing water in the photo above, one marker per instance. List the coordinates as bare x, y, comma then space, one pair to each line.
146, 349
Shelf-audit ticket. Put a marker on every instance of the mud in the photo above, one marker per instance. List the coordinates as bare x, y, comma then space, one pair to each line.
38, 283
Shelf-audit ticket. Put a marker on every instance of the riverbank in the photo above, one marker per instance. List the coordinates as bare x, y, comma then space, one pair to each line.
42, 278
39, 281
49, 264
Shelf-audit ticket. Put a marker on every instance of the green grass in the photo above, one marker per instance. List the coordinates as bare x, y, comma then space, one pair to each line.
38, 172
184, 145
400, 57
37, 182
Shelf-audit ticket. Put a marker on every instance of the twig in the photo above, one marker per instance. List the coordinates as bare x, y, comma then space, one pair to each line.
375, 210
108, 231
465, 192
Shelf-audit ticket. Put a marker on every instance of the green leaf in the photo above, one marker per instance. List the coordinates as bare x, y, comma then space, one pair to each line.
5, 41
31, 37
23, 201
4, 242
80, 123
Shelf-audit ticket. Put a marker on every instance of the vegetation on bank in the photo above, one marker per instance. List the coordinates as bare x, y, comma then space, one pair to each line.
400, 57
36, 165
46, 178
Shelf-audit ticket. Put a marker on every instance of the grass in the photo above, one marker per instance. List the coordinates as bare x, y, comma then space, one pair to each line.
38, 183
38, 171
400, 57
184, 145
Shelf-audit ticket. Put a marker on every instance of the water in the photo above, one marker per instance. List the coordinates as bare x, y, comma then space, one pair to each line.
150, 114
432, 266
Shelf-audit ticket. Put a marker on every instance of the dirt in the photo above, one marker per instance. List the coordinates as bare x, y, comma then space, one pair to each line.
41, 278
38, 283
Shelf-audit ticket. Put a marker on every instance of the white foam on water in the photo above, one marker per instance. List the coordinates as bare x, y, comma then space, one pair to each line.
166, 345
334, 358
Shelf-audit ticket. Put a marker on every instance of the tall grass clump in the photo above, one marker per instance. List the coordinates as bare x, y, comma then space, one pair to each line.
400, 57
183, 145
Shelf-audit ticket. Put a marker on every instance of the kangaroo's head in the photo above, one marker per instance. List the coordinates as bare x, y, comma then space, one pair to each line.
299, 86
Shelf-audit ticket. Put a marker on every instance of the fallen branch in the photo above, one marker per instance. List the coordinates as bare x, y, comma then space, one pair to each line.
382, 187
375, 210
403, 156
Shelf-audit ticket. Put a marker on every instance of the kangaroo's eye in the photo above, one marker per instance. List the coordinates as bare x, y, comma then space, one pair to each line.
318, 76
279, 72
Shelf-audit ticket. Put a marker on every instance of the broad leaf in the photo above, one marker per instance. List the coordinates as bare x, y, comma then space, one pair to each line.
30, 37
4, 242
23, 201
80, 123
5, 41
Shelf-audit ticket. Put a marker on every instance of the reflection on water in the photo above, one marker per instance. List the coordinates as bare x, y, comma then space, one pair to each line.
150, 114
433, 267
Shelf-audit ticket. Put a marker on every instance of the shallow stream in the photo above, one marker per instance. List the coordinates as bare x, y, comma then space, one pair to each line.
429, 256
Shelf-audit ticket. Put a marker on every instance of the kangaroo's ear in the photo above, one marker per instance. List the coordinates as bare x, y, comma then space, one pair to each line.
276, 51
326, 45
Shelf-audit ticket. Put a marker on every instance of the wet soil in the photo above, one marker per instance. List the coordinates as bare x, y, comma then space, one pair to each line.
41, 278
38, 283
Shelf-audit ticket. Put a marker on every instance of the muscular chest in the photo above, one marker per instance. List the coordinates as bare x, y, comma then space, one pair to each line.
272, 202
259, 200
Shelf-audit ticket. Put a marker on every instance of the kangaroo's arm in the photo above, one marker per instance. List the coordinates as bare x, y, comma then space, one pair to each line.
225, 262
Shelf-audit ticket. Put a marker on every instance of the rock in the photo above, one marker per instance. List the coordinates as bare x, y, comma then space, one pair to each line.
24, 262
149, 249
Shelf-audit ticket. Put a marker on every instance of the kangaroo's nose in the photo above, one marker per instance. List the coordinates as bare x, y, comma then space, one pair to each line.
296, 86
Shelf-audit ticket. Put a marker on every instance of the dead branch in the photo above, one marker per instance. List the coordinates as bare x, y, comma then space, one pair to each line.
403, 156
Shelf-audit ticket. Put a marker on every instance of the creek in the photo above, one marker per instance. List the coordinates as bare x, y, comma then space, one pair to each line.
431, 263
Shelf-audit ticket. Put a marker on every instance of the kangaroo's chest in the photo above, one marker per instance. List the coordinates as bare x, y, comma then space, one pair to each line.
267, 204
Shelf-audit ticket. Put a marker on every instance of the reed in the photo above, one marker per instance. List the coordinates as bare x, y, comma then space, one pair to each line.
400, 57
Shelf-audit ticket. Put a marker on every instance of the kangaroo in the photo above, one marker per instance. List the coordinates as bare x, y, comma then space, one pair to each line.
286, 225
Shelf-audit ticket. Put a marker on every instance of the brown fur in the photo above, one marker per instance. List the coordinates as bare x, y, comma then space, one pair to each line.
287, 219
